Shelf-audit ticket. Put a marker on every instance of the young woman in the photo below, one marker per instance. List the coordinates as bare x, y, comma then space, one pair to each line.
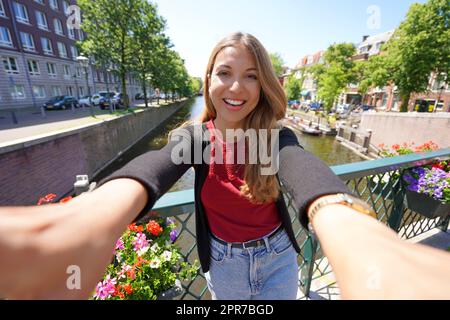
245, 240
246, 245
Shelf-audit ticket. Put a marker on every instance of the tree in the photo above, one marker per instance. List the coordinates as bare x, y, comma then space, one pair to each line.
420, 47
277, 63
109, 25
336, 73
148, 37
196, 85
374, 72
293, 87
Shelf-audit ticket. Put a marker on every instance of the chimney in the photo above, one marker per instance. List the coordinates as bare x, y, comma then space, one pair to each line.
365, 38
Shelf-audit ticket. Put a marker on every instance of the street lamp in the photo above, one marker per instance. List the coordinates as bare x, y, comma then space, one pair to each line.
84, 62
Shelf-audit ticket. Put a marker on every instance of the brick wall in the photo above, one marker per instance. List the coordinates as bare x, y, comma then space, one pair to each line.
51, 166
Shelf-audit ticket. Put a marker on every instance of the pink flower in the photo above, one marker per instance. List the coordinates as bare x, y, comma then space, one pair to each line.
140, 242
119, 245
105, 289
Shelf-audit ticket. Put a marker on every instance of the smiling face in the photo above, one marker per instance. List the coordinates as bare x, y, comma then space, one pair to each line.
234, 87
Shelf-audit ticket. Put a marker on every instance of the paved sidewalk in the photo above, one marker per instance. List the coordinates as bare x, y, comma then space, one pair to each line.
31, 124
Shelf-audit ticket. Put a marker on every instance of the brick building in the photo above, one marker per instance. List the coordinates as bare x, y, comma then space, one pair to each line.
38, 56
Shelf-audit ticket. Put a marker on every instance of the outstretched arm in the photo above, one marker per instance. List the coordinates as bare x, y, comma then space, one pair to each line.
371, 262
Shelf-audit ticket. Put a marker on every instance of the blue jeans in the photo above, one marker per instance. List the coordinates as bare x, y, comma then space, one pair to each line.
267, 272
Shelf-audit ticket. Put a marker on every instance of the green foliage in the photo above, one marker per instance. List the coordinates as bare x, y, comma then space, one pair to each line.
420, 46
336, 73
277, 63
293, 87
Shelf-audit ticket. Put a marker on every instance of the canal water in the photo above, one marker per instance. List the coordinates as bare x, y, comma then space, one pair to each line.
324, 147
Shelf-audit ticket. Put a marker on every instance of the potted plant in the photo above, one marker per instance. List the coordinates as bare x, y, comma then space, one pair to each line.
428, 189
147, 264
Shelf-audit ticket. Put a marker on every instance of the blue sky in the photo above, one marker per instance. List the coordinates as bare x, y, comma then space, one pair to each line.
293, 28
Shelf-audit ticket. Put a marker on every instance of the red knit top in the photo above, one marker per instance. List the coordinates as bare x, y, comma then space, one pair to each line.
230, 215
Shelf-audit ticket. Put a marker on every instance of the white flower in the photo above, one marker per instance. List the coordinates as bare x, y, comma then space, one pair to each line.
166, 255
155, 263
154, 247
142, 251
119, 256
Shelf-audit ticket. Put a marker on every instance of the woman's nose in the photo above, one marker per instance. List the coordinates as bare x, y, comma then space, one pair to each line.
235, 85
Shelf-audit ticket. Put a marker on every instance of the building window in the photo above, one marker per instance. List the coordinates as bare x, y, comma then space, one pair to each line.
78, 72
74, 52
81, 90
47, 46
65, 7
27, 41
20, 12
71, 32
2, 9
62, 50
58, 27
18, 92
41, 20
80, 32
39, 91
51, 69
10, 65
54, 4
69, 90
33, 67
5, 38
66, 70
39, 1
56, 91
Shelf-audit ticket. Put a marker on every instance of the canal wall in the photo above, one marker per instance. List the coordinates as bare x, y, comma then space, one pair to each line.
34, 168
396, 128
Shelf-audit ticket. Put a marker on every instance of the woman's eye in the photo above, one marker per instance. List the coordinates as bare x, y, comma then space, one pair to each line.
253, 76
222, 73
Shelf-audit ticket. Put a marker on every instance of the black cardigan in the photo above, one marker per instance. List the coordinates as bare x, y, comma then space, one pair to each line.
305, 177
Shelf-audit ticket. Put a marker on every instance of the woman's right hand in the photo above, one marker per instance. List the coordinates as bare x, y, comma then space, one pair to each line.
61, 251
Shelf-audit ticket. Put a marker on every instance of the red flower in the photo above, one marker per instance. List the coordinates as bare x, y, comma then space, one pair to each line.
128, 289
135, 228
131, 274
66, 199
395, 146
154, 228
48, 198
438, 166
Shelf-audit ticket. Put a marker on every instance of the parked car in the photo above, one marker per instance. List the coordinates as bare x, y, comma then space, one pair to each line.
85, 101
61, 103
342, 108
366, 107
101, 99
139, 96
118, 100
317, 106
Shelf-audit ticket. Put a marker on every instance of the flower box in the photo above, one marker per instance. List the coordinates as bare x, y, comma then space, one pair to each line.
426, 205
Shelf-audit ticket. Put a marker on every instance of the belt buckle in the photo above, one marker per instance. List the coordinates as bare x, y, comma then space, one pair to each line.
258, 243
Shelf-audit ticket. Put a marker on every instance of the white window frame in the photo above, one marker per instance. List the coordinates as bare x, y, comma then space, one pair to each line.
71, 32
62, 53
8, 66
5, 42
56, 90
81, 91
54, 4
39, 15
39, 92
51, 73
66, 71
33, 67
69, 90
57, 25
44, 49
16, 7
29, 38
14, 91
74, 52
2, 9
40, 1
65, 5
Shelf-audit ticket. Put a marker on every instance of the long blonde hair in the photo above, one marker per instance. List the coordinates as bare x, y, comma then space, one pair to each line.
270, 109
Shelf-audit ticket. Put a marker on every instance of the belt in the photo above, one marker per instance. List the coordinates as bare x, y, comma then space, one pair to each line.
248, 244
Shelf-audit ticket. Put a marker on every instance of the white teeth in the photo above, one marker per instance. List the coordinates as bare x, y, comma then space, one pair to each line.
235, 102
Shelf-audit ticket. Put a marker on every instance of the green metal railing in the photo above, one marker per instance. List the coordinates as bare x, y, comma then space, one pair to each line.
363, 178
